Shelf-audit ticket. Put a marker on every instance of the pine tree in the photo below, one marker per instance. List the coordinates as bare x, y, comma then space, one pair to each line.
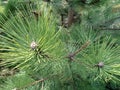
60, 45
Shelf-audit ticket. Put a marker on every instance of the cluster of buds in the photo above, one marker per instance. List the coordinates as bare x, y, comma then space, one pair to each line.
100, 64
33, 45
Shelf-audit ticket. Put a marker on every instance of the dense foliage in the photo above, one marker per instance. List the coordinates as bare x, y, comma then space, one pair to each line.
60, 45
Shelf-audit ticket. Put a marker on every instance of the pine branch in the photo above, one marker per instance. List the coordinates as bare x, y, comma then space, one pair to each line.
109, 28
73, 82
71, 56
111, 20
69, 20
70, 17
82, 47
36, 82
107, 23
31, 84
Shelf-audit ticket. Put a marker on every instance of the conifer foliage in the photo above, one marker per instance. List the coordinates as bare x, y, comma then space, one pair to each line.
60, 45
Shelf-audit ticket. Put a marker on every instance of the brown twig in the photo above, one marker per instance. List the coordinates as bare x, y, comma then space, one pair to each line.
35, 82
70, 17
71, 56
31, 84
82, 47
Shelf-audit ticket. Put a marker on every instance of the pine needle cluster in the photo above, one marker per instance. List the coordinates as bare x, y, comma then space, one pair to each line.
62, 48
